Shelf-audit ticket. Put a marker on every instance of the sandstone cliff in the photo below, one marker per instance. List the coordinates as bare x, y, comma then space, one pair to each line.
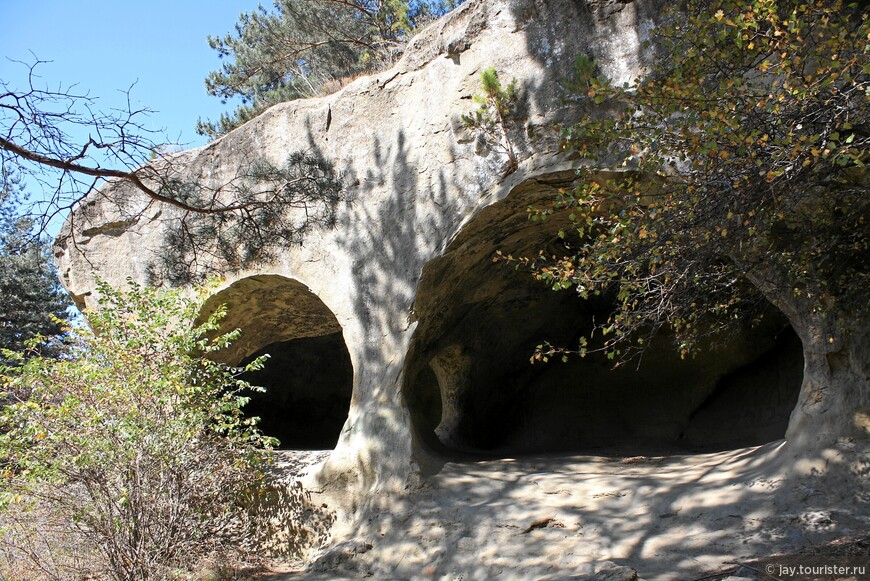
415, 175
395, 327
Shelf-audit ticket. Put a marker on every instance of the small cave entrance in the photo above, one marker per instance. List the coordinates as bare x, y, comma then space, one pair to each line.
307, 396
308, 376
471, 388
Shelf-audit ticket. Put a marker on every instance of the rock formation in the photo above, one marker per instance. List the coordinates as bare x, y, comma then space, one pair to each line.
422, 340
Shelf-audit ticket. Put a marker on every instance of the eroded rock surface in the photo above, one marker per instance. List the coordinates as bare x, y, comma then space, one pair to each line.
426, 340
414, 175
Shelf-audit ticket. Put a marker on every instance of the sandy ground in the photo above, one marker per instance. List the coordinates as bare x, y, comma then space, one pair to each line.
669, 518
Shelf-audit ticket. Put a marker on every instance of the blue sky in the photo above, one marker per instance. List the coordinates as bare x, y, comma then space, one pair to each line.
105, 46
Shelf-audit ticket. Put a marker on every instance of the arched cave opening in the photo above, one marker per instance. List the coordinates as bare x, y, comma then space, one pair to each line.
470, 387
307, 396
308, 376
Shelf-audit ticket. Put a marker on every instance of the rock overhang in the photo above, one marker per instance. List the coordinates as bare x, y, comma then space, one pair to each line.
416, 178
471, 388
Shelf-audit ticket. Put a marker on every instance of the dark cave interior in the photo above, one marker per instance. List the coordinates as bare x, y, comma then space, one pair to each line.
308, 376
308, 385
470, 387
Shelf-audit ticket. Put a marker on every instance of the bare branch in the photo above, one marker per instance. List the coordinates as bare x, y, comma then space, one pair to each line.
241, 218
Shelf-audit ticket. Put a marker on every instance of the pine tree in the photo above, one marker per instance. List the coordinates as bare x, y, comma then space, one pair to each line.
32, 301
496, 105
304, 46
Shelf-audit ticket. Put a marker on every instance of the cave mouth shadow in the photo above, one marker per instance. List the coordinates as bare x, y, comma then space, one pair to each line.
472, 392
308, 385
468, 400
308, 375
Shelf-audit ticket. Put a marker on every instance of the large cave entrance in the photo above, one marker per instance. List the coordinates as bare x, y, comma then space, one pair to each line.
470, 386
308, 376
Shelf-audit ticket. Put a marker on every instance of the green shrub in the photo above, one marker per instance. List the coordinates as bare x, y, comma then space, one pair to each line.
131, 457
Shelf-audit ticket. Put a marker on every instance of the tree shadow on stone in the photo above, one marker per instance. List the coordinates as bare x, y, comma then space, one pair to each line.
268, 207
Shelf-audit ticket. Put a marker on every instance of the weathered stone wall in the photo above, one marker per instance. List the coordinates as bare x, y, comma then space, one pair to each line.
414, 173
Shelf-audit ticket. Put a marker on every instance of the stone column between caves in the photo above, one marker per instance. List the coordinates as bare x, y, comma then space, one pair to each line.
452, 367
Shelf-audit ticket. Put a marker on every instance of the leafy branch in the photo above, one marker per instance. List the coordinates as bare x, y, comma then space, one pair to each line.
233, 219
732, 175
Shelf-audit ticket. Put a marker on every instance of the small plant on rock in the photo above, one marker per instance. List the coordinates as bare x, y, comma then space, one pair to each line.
496, 105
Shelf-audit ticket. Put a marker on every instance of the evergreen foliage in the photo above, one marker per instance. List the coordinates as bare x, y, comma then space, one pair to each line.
743, 175
32, 302
495, 106
302, 46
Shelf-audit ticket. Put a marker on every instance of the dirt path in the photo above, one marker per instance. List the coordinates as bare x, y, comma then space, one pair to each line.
671, 518
290, 464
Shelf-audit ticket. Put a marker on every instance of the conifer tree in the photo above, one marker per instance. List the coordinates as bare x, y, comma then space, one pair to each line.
303, 46
496, 105
31, 300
